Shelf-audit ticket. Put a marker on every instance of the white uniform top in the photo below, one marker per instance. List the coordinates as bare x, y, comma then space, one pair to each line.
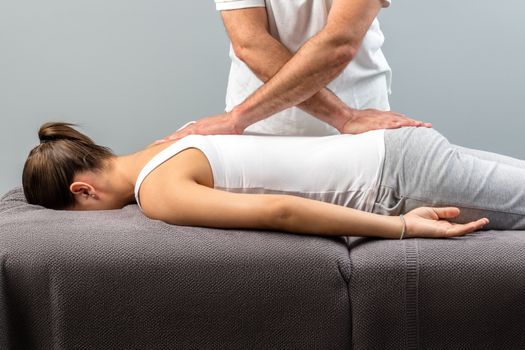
339, 169
365, 82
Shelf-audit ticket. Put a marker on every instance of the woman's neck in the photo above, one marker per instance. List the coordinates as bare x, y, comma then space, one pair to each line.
123, 171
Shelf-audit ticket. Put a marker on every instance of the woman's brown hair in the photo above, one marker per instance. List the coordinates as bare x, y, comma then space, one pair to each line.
51, 166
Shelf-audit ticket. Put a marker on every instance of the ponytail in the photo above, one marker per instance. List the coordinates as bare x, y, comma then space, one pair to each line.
61, 131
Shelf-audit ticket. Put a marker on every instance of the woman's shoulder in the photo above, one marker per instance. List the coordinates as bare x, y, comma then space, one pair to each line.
162, 182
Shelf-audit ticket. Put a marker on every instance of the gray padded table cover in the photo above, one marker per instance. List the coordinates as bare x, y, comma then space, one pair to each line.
460, 293
117, 280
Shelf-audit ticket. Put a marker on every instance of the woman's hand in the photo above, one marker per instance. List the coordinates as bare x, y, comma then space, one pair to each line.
431, 223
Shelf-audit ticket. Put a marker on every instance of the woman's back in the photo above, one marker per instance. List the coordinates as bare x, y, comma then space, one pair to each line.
340, 169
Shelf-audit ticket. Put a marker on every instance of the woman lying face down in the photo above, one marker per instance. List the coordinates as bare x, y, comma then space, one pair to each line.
378, 184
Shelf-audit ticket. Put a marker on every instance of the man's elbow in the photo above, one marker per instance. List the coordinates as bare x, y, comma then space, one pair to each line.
343, 47
343, 54
244, 50
252, 55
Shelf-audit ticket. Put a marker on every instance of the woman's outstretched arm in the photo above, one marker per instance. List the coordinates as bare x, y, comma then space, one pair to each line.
185, 202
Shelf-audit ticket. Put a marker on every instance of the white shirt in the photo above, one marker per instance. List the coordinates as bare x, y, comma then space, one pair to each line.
365, 83
340, 169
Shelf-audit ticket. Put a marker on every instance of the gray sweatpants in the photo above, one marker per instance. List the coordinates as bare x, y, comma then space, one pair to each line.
423, 169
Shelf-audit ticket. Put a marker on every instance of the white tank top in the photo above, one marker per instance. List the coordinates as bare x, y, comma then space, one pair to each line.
339, 169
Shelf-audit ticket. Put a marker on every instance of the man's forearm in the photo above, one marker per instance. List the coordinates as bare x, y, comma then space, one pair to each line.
267, 56
317, 63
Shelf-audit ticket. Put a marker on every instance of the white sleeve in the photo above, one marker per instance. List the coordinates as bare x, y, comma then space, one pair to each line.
238, 4
386, 3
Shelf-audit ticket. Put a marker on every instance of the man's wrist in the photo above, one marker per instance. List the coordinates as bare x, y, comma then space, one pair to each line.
238, 120
326, 106
345, 116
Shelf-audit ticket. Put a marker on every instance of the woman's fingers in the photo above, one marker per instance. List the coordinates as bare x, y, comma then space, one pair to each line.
446, 212
458, 229
463, 229
433, 222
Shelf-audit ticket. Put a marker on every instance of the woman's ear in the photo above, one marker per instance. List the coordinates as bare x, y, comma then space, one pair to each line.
82, 189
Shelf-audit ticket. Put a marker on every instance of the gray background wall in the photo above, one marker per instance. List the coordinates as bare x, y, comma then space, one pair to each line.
132, 71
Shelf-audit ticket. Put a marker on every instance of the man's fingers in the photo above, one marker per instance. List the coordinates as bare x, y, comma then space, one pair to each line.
186, 125
405, 121
167, 139
399, 114
411, 122
180, 133
393, 125
424, 124
414, 122
372, 119
158, 142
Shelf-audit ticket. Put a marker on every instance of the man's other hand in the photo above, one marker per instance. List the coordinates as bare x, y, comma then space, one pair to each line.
372, 119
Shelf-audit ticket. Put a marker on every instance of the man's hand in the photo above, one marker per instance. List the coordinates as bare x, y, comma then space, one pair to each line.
221, 124
430, 222
372, 119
